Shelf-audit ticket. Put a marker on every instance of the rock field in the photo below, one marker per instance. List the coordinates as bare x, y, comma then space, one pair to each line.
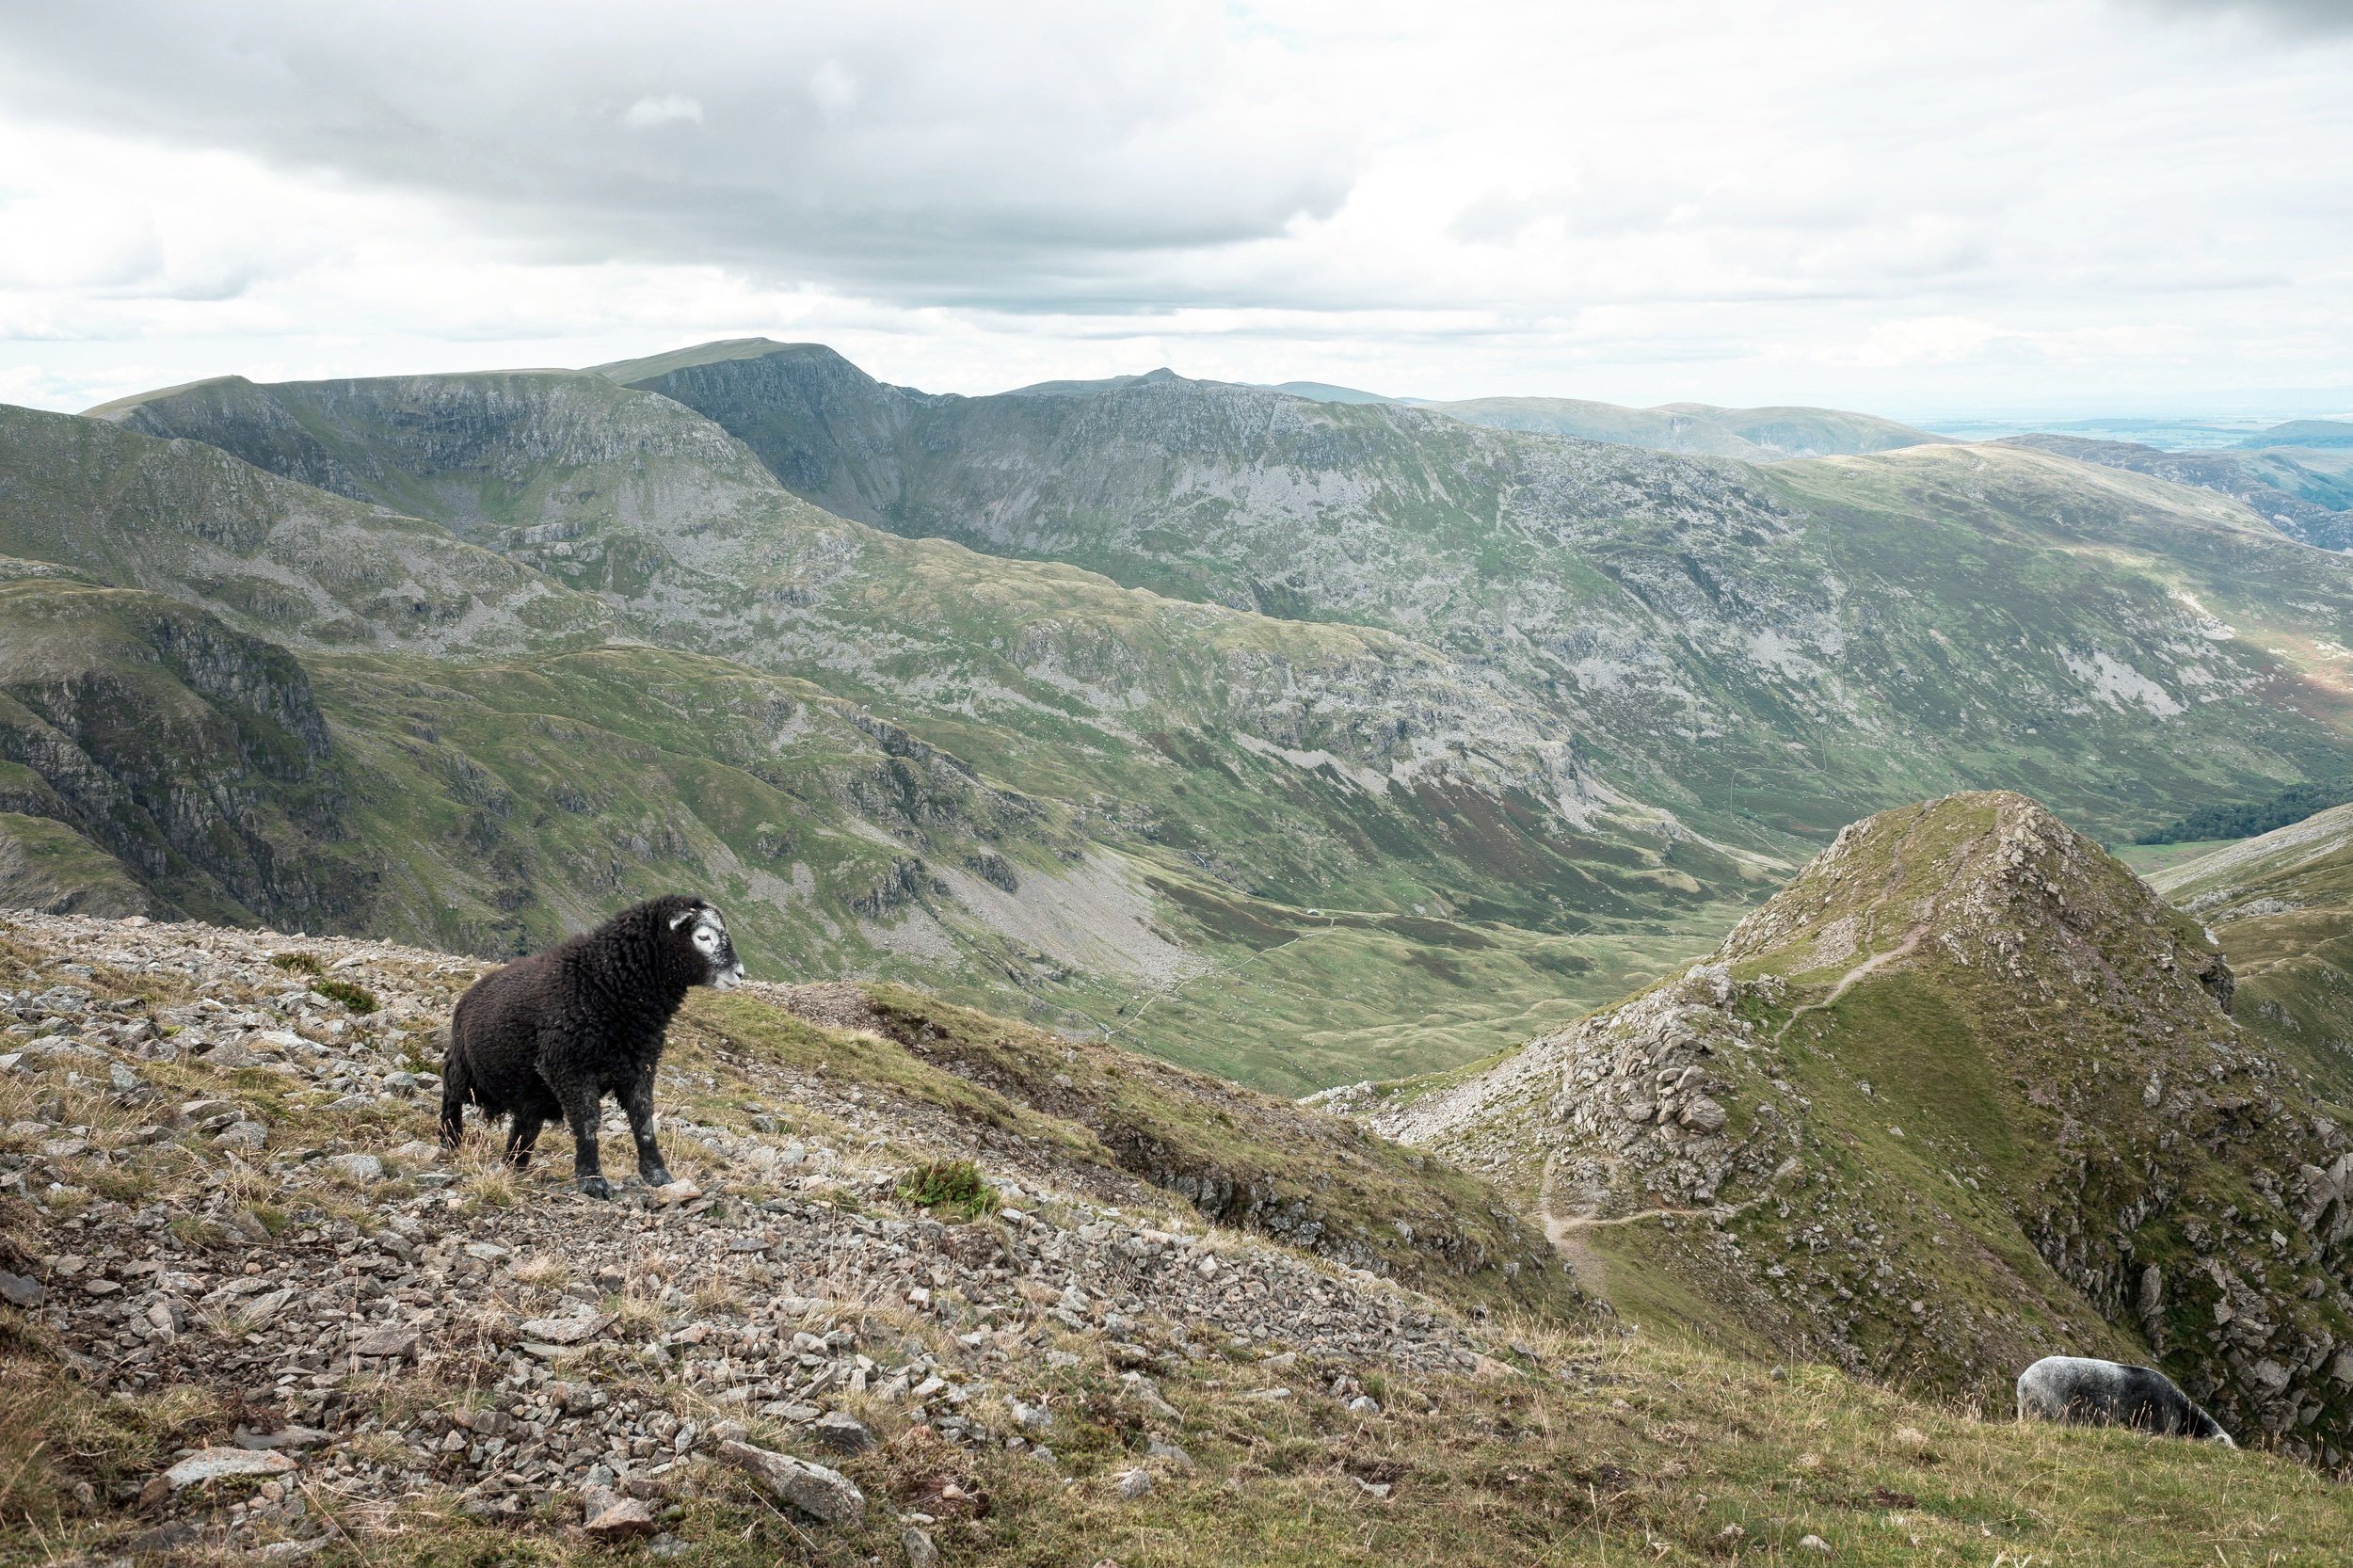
225, 1180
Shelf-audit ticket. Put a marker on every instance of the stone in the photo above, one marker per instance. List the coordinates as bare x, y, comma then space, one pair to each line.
1814, 1543
844, 1432
20, 1292
566, 1331
355, 1167
212, 1464
1031, 1418
251, 1136
621, 1519
1701, 1114
680, 1191
414, 1152
389, 1343
1134, 1484
919, 1548
289, 1437
826, 1496
262, 1310
1169, 1453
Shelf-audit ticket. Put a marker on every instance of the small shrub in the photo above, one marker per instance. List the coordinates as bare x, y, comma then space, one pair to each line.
954, 1189
298, 963
358, 998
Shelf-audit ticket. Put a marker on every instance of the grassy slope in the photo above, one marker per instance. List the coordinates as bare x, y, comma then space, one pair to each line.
2283, 905
2008, 1177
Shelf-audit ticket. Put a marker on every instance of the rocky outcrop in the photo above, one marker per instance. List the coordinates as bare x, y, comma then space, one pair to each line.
192, 754
1963, 1095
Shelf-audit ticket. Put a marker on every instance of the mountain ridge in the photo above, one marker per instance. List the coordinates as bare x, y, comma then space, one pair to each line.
1965, 1093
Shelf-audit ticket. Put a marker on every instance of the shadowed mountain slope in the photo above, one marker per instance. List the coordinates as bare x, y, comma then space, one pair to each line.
1963, 1094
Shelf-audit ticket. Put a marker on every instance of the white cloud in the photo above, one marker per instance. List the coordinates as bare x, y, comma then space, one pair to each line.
671, 109
1950, 203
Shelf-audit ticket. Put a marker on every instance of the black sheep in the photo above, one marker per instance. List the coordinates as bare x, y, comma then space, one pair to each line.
553, 1034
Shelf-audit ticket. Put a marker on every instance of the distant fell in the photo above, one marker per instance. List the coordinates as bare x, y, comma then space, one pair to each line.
2304, 432
1756, 435
2311, 506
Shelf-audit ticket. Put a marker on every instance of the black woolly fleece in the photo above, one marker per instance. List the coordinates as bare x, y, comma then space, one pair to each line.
549, 1036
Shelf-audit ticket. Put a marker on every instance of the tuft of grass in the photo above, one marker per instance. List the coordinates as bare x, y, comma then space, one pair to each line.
298, 963
358, 998
954, 1189
543, 1270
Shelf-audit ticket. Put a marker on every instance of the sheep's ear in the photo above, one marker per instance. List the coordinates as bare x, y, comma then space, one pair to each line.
681, 919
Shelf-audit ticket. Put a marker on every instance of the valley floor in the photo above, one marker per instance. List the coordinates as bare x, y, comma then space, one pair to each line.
226, 1237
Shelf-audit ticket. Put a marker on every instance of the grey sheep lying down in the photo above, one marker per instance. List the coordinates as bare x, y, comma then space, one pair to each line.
2081, 1391
551, 1035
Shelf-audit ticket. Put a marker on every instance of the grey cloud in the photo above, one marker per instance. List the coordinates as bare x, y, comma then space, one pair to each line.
988, 153
2288, 16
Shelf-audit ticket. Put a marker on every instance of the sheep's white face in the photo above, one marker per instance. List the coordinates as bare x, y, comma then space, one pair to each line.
710, 937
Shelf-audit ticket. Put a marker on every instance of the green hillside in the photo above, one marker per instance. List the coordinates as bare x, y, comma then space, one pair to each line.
1109, 810
2307, 502
1768, 652
1300, 741
2281, 904
1963, 1094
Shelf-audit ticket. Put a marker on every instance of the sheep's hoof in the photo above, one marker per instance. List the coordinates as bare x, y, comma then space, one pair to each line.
596, 1187
657, 1175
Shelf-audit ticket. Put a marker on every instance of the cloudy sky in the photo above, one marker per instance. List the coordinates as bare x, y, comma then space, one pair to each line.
1927, 209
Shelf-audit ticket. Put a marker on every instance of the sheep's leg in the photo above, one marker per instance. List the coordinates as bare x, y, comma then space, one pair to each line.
638, 1100
522, 1136
580, 1113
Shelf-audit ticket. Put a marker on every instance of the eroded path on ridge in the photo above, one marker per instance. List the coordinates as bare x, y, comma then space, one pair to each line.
1568, 1230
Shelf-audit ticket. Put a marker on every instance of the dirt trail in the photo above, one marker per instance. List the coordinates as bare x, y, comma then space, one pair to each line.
1567, 1231
1846, 982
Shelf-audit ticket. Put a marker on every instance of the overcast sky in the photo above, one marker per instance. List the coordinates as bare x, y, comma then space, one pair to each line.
1925, 209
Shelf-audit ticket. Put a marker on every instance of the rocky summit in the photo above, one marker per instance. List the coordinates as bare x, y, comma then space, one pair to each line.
1966, 1092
